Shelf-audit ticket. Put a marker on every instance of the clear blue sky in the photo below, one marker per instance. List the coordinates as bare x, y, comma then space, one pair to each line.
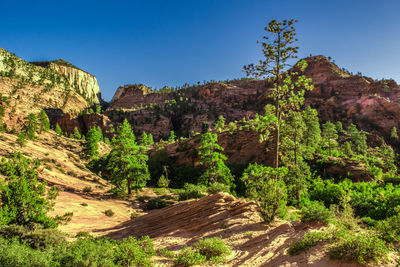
173, 42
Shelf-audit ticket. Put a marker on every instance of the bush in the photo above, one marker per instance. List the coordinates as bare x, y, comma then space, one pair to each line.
360, 247
166, 253
218, 187
214, 249
158, 203
188, 257
109, 213
309, 240
163, 182
315, 211
192, 191
389, 229
38, 238
87, 189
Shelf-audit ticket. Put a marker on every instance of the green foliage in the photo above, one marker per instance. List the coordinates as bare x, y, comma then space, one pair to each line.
264, 186
23, 197
309, 240
158, 203
171, 137
44, 123
21, 140
357, 139
91, 145
289, 87
35, 238
220, 123
188, 257
330, 135
393, 133
77, 134
109, 213
30, 126
389, 229
213, 248
218, 187
163, 182
127, 162
213, 160
361, 247
315, 211
58, 129
192, 191
312, 134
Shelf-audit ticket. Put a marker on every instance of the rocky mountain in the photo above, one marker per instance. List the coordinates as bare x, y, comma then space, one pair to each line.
58, 87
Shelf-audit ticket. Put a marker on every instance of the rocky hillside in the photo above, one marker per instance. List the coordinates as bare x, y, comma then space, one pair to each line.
58, 87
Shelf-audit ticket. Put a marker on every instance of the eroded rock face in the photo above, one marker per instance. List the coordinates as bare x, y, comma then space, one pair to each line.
372, 105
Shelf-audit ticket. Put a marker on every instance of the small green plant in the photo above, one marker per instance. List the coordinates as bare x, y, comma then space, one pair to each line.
309, 240
166, 253
87, 189
218, 187
158, 203
361, 247
188, 257
109, 213
192, 191
214, 249
163, 182
315, 211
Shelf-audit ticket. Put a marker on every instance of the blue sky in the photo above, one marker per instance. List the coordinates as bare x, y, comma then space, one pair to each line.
175, 42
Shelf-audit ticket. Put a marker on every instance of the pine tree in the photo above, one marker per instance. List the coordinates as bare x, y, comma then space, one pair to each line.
128, 160
44, 123
220, 123
329, 132
171, 137
144, 139
393, 133
92, 139
24, 200
30, 126
312, 133
213, 160
358, 139
288, 87
150, 140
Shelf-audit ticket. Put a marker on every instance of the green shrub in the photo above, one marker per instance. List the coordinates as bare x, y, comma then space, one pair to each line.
389, 229
218, 187
87, 189
361, 247
166, 253
109, 213
309, 240
214, 249
163, 182
37, 238
192, 191
157, 203
188, 257
315, 211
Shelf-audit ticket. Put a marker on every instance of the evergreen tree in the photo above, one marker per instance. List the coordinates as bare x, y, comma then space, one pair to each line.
44, 123
358, 139
21, 140
92, 139
99, 134
213, 160
329, 132
220, 123
269, 193
393, 133
30, 126
312, 133
128, 160
339, 127
58, 129
23, 198
288, 86
144, 139
150, 140
171, 137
